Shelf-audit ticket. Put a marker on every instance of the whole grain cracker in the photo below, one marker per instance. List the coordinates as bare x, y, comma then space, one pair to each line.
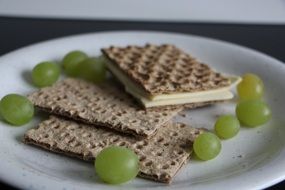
159, 158
164, 69
105, 105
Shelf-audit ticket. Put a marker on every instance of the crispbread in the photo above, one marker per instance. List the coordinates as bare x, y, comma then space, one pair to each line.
164, 69
160, 158
105, 105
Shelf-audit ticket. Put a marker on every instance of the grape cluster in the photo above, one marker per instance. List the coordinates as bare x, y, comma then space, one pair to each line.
251, 111
75, 64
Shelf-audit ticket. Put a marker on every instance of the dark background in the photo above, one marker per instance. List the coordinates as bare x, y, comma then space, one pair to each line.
19, 32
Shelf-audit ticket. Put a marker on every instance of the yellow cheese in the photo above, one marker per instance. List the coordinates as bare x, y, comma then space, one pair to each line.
175, 98
219, 95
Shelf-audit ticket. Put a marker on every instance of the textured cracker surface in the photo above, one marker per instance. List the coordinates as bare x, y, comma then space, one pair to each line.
160, 157
104, 105
164, 69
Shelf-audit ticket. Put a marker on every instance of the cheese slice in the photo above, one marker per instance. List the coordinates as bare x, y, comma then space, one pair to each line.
172, 99
215, 96
234, 82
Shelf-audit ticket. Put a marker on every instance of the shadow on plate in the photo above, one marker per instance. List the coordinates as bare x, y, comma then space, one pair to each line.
38, 117
27, 76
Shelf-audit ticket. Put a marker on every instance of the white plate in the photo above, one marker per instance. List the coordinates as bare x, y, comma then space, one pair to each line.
252, 160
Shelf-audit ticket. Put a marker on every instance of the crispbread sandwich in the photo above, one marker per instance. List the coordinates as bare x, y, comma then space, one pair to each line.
161, 75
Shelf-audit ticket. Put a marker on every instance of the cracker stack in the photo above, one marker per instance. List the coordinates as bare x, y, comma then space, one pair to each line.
159, 158
165, 75
114, 118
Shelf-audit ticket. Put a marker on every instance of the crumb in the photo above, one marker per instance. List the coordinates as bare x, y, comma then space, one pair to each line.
216, 116
182, 114
240, 156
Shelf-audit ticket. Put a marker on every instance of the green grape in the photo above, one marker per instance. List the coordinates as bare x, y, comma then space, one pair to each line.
252, 113
71, 61
92, 69
207, 146
251, 87
16, 109
116, 165
227, 126
45, 74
